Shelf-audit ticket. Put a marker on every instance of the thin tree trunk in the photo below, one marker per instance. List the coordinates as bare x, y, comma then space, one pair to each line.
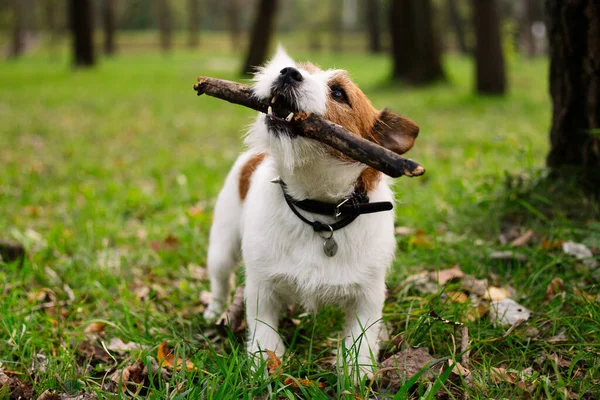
110, 26
18, 31
458, 25
528, 39
373, 14
574, 36
314, 27
336, 8
233, 16
165, 24
194, 23
489, 58
81, 17
416, 50
262, 30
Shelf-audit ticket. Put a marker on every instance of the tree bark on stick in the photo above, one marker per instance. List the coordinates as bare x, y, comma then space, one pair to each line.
264, 23
416, 50
110, 26
489, 57
316, 128
373, 14
194, 23
81, 17
574, 36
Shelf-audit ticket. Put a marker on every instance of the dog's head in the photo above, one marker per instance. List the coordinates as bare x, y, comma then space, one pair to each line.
292, 87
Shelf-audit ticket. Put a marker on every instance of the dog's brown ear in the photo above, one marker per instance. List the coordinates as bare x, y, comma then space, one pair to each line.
394, 132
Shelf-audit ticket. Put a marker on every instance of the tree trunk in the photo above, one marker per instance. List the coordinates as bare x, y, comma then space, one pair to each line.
81, 15
110, 26
194, 23
165, 24
574, 36
17, 45
233, 16
529, 13
458, 25
373, 14
262, 30
314, 25
489, 58
415, 46
336, 22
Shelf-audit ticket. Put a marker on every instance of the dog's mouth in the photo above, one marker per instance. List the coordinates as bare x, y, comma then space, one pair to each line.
282, 108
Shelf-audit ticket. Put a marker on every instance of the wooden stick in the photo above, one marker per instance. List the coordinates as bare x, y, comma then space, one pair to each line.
314, 127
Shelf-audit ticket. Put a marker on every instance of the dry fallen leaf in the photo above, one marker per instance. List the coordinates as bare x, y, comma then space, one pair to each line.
166, 358
555, 287
95, 327
205, 297
508, 255
560, 337
273, 363
118, 345
131, 373
523, 239
405, 364
500, 375
302, 382
405, 231
497, 294
508, 311
421, 239
548, 244
475, 313
198, 272
581, 252
457, 297
169, 243
446, 275
475, 286
459, 369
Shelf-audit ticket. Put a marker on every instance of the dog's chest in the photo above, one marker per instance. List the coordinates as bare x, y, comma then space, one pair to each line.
280, 248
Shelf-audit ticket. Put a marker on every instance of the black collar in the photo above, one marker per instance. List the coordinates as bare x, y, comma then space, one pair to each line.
344, 212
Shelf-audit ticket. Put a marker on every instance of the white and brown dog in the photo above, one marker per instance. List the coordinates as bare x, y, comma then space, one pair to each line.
278, 204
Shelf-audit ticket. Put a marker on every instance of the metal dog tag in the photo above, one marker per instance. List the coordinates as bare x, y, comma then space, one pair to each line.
330, 247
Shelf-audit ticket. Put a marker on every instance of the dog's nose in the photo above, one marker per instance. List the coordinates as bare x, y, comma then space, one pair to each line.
290, 75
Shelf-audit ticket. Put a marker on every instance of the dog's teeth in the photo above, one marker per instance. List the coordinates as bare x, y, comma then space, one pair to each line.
270, 111
289, 117
273, 99
276, 180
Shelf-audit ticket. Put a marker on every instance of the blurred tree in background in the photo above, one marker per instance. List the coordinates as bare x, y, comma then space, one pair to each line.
574, 33
81, 14
489, 57
373, 20
164, 15
109, 18
194, 23
260, 38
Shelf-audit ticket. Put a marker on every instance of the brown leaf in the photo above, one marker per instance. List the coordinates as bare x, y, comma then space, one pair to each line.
302, 382
548, 244
273, 363
92, 352
523, 239
233, 317
421, 239
405, 364
555, 287
95, 327
130, 374
459, 369
166, 358
475, 286
499, 375
476, 313
169, 243
49, 395
561, 362
497, 294
560, 337
457, 297
14, 387
446, 275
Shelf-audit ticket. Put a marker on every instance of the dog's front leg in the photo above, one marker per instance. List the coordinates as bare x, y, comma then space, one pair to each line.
262, 314
363, 327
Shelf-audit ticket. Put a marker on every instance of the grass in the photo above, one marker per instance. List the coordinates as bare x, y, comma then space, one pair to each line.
109, 177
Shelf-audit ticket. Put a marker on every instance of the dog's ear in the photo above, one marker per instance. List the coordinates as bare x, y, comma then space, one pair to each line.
394, 132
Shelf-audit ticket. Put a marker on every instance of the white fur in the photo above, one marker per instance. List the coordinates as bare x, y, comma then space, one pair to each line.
283, 256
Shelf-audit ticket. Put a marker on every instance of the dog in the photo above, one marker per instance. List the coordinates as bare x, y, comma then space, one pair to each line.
293, 209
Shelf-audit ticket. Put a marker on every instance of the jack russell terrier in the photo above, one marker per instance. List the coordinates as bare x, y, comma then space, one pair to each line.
313, 226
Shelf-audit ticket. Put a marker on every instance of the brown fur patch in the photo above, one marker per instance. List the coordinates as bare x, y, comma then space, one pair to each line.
309, 67
368, 179
246, 173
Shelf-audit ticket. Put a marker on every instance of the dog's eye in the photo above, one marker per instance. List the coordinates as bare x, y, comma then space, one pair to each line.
338, 94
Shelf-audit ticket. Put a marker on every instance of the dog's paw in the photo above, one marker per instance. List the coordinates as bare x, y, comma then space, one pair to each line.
213, 312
